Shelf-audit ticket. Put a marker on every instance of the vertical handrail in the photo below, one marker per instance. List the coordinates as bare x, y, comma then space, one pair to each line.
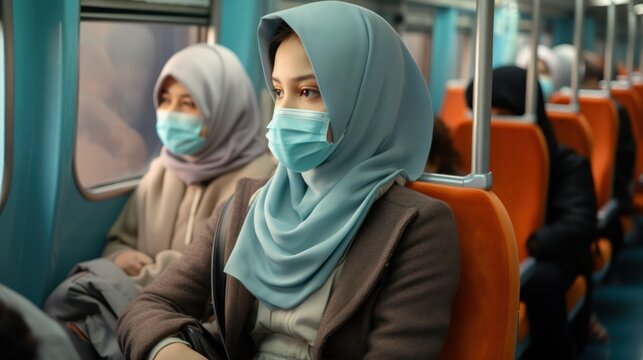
631, 36
531, 97
480, 176
609, 44
482, 88
579, 21
641, 49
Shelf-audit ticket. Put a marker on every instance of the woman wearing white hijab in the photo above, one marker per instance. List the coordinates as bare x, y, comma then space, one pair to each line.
208, 122
332, 256
548, 68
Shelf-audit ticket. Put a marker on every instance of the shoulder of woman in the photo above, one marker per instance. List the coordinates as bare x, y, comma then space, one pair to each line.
405, 197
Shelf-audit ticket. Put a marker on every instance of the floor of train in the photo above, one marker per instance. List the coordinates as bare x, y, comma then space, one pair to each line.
619, 304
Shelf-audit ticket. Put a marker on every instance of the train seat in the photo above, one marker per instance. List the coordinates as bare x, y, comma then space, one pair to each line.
519, 156
602, 118
483, 322
633, 103
573, 131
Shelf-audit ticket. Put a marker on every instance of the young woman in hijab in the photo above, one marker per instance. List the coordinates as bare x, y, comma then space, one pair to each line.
562, 246
208, 122
332, 255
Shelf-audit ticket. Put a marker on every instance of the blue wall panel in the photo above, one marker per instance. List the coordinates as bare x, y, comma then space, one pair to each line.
442, 58
46, 225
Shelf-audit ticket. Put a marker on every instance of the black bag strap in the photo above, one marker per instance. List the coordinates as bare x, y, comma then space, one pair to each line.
218, 277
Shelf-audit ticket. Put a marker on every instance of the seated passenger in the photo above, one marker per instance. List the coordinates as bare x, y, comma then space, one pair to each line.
548, 66
27, 333
208, 122
443, 158
332, 255
622, 188
562, 246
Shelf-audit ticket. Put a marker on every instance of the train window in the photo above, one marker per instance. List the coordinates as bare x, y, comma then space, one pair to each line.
118, 66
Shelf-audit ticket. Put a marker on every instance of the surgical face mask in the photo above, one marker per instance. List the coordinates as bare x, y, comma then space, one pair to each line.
547, 86
297, 138
179, 132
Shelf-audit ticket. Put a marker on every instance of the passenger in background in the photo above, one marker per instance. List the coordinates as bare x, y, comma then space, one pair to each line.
443, 158
208, 122
562, 246
624, 163
547, 64
566, 55
332, 256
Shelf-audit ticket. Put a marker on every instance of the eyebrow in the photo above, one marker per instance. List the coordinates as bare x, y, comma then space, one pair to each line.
298, 78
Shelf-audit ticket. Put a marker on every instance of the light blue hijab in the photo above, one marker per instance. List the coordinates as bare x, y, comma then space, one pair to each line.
301, 224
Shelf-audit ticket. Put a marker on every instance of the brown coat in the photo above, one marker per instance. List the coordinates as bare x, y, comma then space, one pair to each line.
392, 300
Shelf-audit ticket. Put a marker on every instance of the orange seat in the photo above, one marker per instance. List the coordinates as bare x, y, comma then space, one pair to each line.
573, 131
632, 100
485, 311
601, 116
518, 161
454, 105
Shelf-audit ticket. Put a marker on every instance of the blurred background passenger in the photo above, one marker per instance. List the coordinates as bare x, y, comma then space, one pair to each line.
443, 158
622, 188
547, 64
562, 246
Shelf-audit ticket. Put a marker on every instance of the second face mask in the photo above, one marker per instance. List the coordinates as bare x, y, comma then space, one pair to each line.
180, 132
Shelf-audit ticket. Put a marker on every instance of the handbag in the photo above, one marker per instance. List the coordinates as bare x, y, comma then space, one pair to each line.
197, 336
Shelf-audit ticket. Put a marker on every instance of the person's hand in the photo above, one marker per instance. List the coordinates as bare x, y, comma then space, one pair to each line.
178, 351
132, 261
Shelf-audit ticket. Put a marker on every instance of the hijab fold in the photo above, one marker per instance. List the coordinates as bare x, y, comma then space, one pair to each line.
224, 94
301, 224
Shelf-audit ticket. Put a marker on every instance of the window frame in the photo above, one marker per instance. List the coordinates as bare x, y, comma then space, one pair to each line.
7, 42
123, 11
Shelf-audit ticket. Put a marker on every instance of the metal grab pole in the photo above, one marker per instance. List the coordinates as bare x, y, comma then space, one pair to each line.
609, 44
531, 96
482, 87
641, 50
579, 20
631, 35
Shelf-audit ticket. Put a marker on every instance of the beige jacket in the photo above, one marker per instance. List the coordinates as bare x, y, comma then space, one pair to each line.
163, 212
392, 300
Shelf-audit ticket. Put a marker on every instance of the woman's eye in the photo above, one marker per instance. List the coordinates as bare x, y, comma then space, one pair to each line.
164, 101
189, 104
309, 93
277, 92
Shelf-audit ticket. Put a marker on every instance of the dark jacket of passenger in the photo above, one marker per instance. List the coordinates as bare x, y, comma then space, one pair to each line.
570, 221
624, 162
392, 300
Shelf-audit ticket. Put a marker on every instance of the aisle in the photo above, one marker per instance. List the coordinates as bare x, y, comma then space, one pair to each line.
619, 304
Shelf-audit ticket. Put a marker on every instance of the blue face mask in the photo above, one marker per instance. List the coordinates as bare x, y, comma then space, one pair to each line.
547, 87
297, 138
179, 132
